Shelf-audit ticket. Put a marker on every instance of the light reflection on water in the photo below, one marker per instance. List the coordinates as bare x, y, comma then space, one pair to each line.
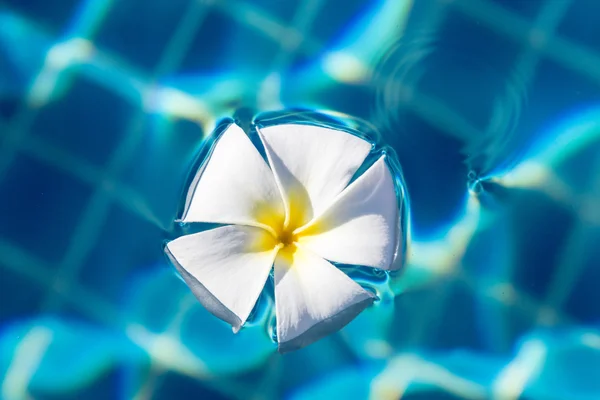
493, 109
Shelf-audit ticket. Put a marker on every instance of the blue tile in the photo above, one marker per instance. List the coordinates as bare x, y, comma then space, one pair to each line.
142, 40
185, 387
537, 223
23, 295
207, 56
580, 24
348, 99
333, 19
105, 386
468, 68
89, 120
11, 85
500, 325
40, 208
159, 168
434, 172
554, 94
526, 8
126, 247
53, 16
466, 38
578, 168
452, 325
9, 105
282, 11
231, 41
584, 297
409, 314
459, 321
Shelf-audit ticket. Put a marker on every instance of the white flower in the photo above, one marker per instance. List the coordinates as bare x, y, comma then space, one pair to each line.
293, 214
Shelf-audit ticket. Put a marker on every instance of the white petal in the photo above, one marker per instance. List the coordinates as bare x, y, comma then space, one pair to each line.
312, 165
312, 298
236, 186
226, 268
361, 226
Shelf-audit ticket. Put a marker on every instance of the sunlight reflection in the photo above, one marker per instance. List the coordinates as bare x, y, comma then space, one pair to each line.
26, 359
511, 381
411, 370
430, 259
472, 277
167, 351
353, 59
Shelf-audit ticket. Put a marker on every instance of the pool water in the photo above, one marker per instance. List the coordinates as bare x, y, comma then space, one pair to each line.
492, 108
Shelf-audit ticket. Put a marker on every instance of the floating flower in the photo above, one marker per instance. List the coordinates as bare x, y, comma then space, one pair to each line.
295, 214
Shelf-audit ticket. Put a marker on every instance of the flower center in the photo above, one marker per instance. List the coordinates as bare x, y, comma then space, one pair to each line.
286, 237
285, 229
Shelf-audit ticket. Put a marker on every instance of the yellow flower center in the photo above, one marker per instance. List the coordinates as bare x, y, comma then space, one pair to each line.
286, 237
285, 230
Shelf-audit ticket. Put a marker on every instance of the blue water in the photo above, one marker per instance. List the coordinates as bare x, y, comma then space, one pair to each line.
492, 107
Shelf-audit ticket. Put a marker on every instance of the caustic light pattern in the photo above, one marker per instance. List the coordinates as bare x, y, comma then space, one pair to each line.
294, 213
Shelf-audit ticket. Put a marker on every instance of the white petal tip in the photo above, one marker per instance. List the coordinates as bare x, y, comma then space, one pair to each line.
327, 326
205, 297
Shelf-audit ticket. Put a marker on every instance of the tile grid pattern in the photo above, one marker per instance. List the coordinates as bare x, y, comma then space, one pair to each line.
538, 39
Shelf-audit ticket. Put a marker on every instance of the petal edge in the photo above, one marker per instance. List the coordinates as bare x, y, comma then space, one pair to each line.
225, 268
234, 186
312, 164
313, 298
361, 225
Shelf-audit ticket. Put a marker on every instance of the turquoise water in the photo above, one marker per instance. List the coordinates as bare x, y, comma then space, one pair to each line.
492, 107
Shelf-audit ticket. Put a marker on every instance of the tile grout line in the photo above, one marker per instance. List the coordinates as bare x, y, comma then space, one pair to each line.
98, 207
157, 373
21, 123
512, 26
97, 210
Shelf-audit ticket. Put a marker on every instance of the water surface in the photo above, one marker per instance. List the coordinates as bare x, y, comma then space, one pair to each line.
492, 107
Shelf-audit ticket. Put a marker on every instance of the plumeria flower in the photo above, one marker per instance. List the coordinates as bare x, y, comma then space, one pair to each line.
295, 212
